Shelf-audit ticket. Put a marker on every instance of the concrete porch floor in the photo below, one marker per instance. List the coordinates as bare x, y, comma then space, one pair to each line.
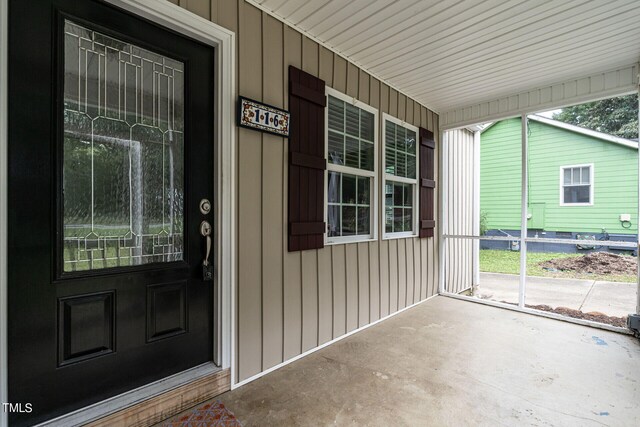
453, 363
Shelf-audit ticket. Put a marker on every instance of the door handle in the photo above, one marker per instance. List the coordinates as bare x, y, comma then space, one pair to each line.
207, 267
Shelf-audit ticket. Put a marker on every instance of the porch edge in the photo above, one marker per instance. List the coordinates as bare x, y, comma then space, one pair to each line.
539, 313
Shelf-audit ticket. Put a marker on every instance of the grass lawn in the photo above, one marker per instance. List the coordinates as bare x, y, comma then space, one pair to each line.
497, 261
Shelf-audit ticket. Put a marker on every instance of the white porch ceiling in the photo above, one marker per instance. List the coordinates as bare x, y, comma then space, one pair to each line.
451, 54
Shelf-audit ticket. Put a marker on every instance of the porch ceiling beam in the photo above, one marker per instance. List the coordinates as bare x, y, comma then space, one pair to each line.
617, 81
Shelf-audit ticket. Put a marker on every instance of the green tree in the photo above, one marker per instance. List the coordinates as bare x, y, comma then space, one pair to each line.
615, 116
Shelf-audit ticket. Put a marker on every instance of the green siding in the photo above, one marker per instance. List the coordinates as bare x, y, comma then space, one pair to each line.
615, 178
500, 175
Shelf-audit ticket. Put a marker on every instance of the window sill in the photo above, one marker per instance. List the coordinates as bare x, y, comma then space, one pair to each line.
395, 236
345, 241
576, 204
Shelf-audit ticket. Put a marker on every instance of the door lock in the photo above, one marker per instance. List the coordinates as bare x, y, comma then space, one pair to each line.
205, 206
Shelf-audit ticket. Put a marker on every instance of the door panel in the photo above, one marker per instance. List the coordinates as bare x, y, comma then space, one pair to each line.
110, 151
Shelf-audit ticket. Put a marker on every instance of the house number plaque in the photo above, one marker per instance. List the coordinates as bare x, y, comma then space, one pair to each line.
256, 115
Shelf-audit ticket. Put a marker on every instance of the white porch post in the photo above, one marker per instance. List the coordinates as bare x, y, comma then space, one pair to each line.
443, 172
638, 212
476, 209
523, 213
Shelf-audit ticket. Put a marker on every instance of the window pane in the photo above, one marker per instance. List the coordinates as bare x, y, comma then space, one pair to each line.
352, 122
123, 157
390, 134
585, 176
333, 193
567, 177
411, 166
333, 219
352, 152
366, 125
401, 164
399, 207
411, 142
397, 194
408, 219
348, 220
363, 220
388, 218
366, 156
400, 151
336, 114
584, 194
336, 148
401, 134
348, 189
398, 219
408, 195
364, 195
390, 160
577, 194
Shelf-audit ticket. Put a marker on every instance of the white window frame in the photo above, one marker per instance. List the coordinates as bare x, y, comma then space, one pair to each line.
393, 178
591, 184
373, 175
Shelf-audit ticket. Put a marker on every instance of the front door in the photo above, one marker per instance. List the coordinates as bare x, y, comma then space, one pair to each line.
110, 154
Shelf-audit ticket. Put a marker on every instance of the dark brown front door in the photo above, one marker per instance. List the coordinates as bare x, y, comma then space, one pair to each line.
110, 154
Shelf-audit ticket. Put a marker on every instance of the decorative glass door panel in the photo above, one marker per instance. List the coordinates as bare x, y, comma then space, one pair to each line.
123, 167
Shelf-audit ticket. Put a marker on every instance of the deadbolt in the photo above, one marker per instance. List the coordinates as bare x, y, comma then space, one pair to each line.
205, 206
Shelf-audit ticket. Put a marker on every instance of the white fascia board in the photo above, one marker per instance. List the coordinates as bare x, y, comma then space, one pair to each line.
584, 131
614, 82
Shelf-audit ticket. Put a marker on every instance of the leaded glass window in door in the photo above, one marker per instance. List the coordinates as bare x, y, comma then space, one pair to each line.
123, 154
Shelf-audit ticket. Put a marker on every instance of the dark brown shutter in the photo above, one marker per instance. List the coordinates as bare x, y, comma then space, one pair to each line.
427, 183
306, 161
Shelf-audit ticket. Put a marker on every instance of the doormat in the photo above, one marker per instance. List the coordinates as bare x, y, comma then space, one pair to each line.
209, 415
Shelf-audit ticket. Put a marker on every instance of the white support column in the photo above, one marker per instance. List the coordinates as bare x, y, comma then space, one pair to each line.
638, 212
476, 208
523, 213
443, 171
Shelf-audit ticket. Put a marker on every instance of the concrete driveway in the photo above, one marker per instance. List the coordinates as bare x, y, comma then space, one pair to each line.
611, 298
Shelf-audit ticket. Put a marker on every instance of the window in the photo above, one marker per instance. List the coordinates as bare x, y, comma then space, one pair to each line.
351, 169
576, 185
400, 179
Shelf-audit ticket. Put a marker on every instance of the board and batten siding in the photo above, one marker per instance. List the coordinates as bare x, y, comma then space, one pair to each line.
459, 159
291, 302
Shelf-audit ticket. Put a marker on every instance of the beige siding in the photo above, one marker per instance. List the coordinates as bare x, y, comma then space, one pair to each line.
460, 198
272, 212
289, 303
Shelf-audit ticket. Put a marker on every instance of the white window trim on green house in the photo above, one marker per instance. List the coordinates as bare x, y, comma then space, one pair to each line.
392, 178
591, 184
343, 169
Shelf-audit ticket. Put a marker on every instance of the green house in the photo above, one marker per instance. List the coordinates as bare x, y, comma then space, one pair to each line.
580, 181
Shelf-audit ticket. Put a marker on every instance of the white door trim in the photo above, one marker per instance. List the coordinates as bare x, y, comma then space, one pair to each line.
4, 367
184, 22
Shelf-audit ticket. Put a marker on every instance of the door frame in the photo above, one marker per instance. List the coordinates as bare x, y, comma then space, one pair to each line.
176, 18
